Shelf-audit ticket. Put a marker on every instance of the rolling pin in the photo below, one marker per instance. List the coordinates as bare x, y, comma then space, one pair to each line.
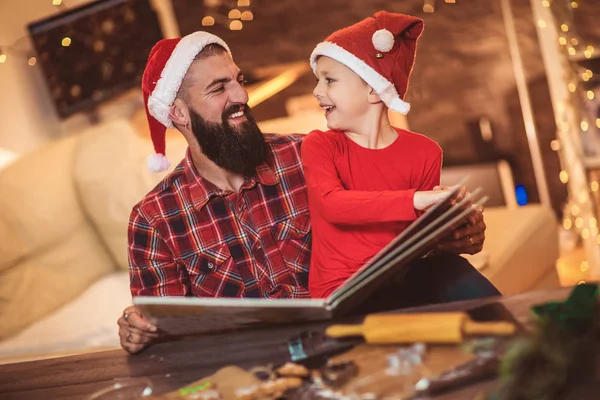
446, 327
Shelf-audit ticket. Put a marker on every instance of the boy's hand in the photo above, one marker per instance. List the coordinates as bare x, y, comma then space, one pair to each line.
425, 199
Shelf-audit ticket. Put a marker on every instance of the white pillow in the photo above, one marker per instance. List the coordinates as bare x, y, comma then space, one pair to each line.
87, 323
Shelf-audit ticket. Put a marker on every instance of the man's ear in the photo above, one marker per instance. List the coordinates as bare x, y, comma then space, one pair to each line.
372, 96
179, 113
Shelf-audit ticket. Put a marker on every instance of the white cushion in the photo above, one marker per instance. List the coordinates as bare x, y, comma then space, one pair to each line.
111, 175
87, 323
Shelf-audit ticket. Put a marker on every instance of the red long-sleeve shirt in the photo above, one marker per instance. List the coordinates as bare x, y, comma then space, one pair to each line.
360, 199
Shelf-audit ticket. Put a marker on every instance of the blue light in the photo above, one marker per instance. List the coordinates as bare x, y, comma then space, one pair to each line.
521, 195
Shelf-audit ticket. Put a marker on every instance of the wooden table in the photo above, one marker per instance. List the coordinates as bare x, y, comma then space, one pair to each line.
174, 364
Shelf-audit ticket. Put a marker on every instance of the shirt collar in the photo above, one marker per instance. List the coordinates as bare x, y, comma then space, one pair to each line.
202, 190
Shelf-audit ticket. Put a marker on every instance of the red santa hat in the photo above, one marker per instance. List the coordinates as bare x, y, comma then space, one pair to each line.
381, 50
167, 65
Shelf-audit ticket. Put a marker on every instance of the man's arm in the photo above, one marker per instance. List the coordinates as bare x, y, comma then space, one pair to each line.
152, 272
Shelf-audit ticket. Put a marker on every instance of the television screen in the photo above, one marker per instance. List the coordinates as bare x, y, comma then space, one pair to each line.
93, 52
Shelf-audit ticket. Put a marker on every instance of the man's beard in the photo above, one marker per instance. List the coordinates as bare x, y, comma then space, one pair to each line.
236, 149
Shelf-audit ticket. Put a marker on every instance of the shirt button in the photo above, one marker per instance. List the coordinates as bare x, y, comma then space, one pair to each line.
211, 265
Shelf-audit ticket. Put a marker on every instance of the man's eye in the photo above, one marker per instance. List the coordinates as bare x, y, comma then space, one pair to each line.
243, 82
218, 89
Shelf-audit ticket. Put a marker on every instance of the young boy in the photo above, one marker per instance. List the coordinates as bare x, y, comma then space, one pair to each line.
367, 181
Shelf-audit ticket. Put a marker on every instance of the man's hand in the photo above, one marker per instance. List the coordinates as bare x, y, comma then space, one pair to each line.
468, 238
135, 331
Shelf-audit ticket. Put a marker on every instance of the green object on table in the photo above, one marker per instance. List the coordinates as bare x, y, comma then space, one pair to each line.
558, 353
574, 314
194, 389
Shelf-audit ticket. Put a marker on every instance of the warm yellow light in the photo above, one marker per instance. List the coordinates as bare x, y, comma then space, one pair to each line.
562, 40
574, 4
542, 23
208, 21
574, 41
31, 61
575, 209
546, 3
584, 266
590, 95
243, 3
564, 28
564, 177
593, 222
590, 49
585, 233
451, 1
236, 25
594, 230
234, 14
587, 54
585, 77
567, 224
594, 186
428, 8
247, 16
56, 2
581, 283
584, 126
578, 222
589, 73
66, 42
598, 122
572, 51
555, 145
2, 58
572, 87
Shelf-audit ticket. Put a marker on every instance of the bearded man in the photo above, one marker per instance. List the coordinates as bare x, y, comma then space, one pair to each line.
232, 218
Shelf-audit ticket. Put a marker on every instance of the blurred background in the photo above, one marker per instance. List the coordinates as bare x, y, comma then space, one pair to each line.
508, 88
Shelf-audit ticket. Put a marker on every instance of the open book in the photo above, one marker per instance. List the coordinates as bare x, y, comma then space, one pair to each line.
186, 315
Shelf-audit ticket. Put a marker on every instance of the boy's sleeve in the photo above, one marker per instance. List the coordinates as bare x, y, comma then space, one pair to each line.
152, 269
352, 207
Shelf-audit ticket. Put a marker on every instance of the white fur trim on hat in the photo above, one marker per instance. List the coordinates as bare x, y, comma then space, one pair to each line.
384, 88
383, 40
165, 91
157, 162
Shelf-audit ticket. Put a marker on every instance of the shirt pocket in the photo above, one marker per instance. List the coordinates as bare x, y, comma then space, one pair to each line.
293, 241
207, 269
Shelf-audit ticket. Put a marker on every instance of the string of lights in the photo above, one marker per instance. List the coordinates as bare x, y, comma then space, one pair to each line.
234, 20
577, 133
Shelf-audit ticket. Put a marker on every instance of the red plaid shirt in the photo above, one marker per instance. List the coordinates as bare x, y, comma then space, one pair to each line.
189, 238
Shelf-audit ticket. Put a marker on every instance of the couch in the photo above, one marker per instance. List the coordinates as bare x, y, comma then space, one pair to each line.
63, 216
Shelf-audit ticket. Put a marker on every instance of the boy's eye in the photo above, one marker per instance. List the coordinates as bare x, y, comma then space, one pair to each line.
329, 80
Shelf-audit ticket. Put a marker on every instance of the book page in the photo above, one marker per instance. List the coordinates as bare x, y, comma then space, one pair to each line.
393, 261
193, 315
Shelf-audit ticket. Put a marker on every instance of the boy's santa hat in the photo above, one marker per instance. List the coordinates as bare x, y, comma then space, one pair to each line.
381, 50
167, 65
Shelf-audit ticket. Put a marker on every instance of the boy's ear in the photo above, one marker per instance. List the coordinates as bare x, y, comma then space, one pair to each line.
373, 97
178, 113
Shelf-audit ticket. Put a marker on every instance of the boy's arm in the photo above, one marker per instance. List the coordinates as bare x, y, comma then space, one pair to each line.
152, 269
341, 206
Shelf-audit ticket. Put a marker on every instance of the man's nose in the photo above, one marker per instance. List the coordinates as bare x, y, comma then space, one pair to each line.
239, 94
